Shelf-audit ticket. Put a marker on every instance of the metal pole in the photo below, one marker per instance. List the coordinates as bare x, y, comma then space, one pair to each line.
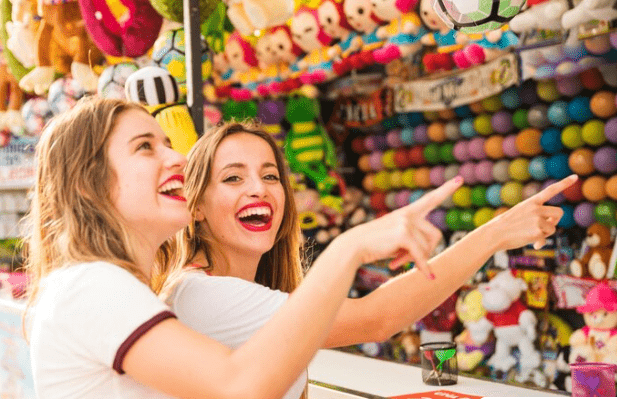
194, 81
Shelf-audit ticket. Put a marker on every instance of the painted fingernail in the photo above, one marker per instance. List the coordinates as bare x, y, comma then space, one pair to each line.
458, 179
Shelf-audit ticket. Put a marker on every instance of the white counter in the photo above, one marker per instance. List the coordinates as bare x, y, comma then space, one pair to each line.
383, 378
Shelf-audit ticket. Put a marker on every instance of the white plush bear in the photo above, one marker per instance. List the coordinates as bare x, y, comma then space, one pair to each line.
514, 325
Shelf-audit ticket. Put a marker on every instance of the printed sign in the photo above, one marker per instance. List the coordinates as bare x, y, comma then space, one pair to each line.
17, 163
458, 89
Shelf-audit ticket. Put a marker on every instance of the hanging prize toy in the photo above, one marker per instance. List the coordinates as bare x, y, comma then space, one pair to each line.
334, 22
402, 34
271, 115
286, 54
360, 15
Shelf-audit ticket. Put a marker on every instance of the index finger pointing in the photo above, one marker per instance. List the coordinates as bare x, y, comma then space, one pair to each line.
433, 199
555, 189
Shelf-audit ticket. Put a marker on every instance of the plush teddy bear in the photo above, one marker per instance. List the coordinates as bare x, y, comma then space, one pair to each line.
514, 325
594, 262
402, 34
597, 341
475, 343
63, 27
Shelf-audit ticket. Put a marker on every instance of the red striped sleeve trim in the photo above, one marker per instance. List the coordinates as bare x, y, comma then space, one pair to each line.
138, 333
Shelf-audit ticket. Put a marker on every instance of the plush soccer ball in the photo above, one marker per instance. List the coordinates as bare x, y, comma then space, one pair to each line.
63, 94
113, 78
168, 52
36, 113
477, 16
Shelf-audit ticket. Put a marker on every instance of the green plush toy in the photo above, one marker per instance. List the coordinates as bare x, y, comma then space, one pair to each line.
308, 148
239, 110
173, 9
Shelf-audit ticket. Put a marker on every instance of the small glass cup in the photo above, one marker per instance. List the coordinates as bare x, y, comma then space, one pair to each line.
593, 379
439, 365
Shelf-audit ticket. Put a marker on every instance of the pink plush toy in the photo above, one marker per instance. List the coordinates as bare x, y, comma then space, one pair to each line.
361, 17
285, 53
334, 22
243, 62
597, 341
404, 31
514, 325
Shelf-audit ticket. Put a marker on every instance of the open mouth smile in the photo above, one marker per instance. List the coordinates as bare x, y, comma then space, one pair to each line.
256, 216
172, 188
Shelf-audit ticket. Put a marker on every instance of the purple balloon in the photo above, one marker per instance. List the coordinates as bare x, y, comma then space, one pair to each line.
583, 214
402, 198
476, 148
484, 171
438, 218
271, 112
379, 141
502, 122
556, 200
569, 86
375, 160
369, 143
509, 146
393, 138
605, 159
437, 175
467, 172
419, 134
610, 130
460, 151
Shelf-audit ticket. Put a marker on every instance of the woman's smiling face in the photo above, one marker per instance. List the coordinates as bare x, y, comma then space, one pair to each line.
244, 201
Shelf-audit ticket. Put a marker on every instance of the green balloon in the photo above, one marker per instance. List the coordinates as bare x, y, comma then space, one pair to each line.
431, 153
520, 119
446, 153
478, 196
453, 219
605, 213
467, 219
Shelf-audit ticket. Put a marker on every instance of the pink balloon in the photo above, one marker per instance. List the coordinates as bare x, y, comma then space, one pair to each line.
467, 172
484, 171
460, 151
509, 146
437, 175
476, 148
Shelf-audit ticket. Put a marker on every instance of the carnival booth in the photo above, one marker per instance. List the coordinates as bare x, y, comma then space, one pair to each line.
373, 103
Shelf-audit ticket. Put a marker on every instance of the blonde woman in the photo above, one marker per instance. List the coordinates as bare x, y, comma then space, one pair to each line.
108, 194
245, 231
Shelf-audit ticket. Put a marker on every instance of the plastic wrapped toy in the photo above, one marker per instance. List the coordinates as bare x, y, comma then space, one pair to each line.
597, 341
594, 263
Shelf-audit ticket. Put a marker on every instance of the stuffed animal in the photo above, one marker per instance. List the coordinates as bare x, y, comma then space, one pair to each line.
11, 100
266, 63
440, 322
594, 262
597, 341
409, 341
589, 10
475, 343
484, 47
271, 114
544, 15
247, 16
402, 34
514, 325
242, 60
62, 26
21, 31
562, 379
361, 17
334, 22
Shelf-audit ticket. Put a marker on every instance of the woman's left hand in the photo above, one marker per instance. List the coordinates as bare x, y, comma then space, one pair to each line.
531, 220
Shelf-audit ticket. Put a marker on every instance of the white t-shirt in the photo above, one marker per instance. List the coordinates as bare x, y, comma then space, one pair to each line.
229, 310
85, 320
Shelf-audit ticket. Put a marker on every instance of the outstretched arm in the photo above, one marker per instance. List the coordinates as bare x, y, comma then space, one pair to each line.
410, 296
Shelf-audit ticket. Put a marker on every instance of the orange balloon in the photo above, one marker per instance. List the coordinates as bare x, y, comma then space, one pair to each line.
367, 183
364, 163
477, 107
493, 146
602, 104
581, 161
436, 132
528, 141
611, 187
594, 188
447, 114
423, 177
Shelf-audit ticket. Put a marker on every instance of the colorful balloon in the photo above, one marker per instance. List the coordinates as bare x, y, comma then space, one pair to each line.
572, 136
605, 160
512, 193
594, 188
602, 104
558, 114
493, 147
537, 168
557, 166
528, 142
493, 194
551, 141
583, 214
581, 161
592, 132
519, 169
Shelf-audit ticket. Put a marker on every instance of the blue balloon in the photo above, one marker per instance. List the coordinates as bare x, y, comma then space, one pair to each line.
466, 128
537, 168
463, 111
567, 220
510, 98
410, 119
558, 114
579, 109
557, 166
407, 136
551, 141
415, 195
493, 194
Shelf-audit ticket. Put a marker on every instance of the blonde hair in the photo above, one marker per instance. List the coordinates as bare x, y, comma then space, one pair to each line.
72, 217
281, 267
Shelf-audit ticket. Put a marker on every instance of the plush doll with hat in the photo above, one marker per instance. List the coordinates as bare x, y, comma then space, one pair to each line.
597, 341
143, 86
595, 261
514, 325
62, 27
402, 34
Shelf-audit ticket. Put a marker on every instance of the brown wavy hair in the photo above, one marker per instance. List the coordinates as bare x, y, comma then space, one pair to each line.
281, 267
